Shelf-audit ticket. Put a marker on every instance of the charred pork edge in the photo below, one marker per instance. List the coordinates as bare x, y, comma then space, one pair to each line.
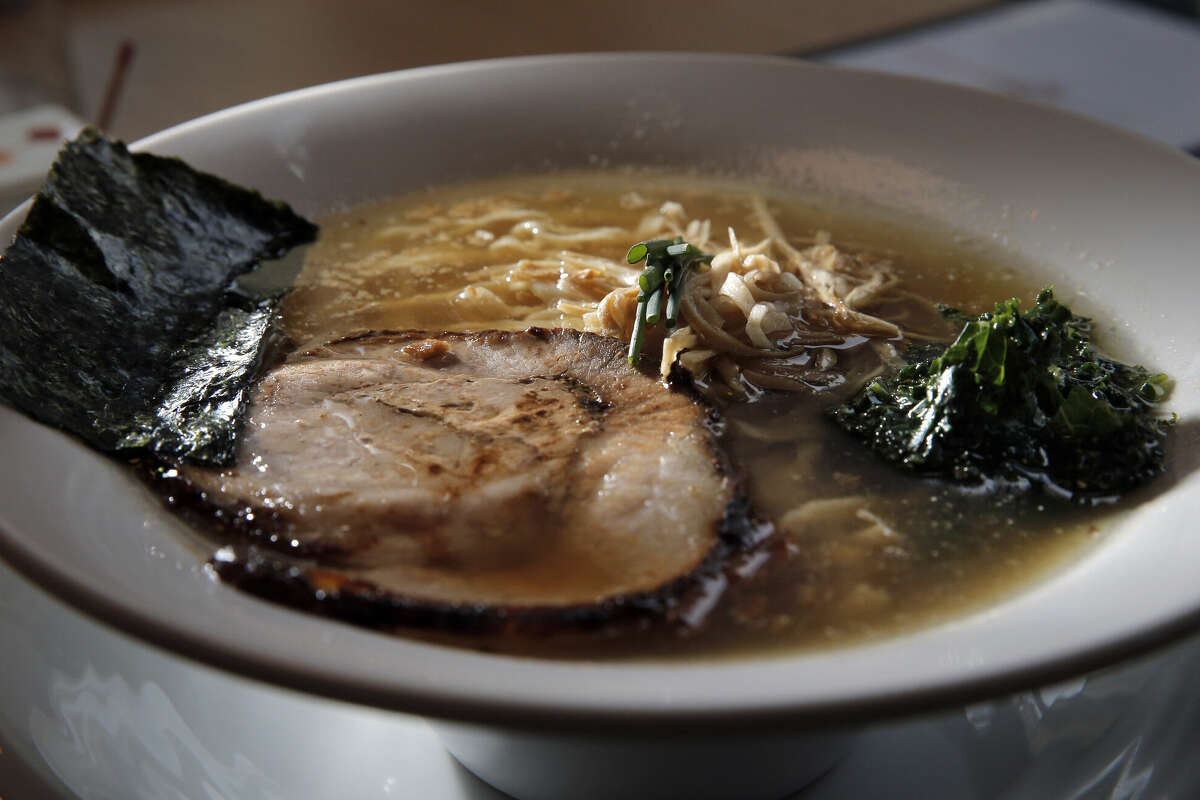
251, 566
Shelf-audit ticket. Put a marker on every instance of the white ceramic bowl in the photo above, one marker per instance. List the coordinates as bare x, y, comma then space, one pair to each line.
1110, 218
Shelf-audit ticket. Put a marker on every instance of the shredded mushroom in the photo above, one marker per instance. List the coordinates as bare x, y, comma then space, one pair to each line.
774, 301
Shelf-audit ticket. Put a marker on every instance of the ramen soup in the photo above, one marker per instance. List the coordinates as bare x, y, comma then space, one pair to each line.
740, 519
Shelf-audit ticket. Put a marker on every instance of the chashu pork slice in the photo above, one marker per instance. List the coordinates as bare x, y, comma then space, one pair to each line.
453, 479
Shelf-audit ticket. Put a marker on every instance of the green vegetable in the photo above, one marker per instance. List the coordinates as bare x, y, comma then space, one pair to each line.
1019, 399
668, 262
119, 317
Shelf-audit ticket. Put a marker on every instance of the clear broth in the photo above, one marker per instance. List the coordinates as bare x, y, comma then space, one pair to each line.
881, 552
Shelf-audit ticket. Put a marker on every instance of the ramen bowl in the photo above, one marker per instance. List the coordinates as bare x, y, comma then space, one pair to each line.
1105, 216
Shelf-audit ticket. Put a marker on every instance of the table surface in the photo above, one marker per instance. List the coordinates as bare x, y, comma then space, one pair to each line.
197, 56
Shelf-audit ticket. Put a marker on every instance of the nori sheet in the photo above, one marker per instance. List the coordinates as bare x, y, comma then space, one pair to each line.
119, 318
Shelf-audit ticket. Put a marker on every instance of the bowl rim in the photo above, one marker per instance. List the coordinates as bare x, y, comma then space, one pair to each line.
527, 709
516, 715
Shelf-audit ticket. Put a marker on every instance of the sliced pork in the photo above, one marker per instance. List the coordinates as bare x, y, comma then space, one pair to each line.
465, 477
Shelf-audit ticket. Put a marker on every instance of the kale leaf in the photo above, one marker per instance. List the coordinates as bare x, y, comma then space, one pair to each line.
1021, 400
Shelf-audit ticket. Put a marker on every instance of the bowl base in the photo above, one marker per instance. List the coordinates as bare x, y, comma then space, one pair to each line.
641, 766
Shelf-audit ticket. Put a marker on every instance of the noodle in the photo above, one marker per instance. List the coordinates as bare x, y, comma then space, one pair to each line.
773, 331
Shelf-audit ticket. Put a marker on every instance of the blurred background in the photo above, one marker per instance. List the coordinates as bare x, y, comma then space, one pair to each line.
141, 65
195, 56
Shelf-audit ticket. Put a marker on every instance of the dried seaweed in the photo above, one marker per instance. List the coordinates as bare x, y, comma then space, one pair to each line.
119, 318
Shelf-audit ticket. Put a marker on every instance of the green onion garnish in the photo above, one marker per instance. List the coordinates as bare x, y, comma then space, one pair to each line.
654, 307
667, 264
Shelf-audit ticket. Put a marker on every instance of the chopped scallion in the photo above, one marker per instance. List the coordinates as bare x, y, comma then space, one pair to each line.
667, 264
654, 307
